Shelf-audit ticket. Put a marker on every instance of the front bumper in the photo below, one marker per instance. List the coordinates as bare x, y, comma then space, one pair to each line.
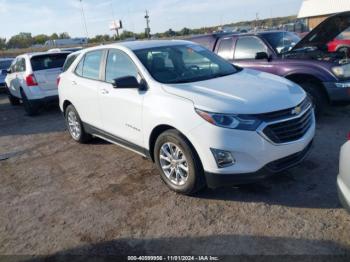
338, 91
219, 180
343, 193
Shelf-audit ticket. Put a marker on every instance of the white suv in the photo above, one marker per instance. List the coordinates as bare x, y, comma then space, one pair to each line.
202, 120
32, 79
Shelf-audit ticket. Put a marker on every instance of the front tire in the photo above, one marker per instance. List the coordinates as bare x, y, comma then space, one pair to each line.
317, 95
75, 125
178, 163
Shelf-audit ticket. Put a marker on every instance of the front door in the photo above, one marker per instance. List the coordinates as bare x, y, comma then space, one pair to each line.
121, 108
245, 54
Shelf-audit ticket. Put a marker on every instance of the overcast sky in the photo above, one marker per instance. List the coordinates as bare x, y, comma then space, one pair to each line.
48, 16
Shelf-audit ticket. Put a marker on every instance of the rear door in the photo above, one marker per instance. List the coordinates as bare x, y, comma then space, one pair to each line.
17, 76
46, 69
84, 88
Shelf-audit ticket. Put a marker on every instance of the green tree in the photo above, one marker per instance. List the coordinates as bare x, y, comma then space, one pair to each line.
22, 40
2, 43
54, 36
185, 31
40, 39
64, 35
170, 33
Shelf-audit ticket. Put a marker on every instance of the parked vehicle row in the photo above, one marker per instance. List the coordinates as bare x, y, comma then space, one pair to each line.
32, 79
324, 75
5, 64
202, 120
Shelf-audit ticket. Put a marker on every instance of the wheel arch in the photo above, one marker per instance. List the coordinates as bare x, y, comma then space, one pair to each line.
65, 104
157, 131
301, 78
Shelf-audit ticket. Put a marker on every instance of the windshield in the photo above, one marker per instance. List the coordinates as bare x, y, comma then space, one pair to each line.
183, 63
281, 42
5, 64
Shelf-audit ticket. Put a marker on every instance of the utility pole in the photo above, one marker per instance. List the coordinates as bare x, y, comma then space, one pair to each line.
147, 29
83, 17
256, 21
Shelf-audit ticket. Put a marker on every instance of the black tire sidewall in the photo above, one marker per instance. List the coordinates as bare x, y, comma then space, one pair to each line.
317, 96
28, 106
193, 183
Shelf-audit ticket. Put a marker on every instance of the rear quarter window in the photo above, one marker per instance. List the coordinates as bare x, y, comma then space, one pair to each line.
49, 61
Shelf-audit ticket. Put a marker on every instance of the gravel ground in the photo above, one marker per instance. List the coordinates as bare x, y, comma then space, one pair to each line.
59, 197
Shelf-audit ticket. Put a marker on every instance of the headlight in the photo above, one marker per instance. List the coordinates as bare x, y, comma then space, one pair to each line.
242, 122
342, 71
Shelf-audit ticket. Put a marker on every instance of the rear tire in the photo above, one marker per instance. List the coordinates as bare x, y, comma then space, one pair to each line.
317, 95
14, 101
29, 107
178, 163
75, 125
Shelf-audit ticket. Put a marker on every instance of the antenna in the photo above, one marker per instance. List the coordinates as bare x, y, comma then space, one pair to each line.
147, 29
83, 17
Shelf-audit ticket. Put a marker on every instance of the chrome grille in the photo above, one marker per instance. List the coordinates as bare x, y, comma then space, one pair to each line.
285, 131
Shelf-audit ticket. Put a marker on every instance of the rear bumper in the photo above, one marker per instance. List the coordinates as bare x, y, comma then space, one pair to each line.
220, 180
338, 91
343, 194
44, 101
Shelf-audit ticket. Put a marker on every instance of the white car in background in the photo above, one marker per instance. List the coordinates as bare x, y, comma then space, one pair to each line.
343, 180
202, 120
32, 79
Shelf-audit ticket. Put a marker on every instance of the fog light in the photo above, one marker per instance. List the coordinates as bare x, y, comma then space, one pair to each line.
223, 158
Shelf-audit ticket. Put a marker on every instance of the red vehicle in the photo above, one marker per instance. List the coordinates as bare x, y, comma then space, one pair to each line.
340, 44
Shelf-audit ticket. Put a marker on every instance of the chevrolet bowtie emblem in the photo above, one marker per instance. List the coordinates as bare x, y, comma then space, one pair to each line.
296, 110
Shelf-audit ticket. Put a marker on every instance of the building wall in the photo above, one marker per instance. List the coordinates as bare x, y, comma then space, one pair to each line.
316, 20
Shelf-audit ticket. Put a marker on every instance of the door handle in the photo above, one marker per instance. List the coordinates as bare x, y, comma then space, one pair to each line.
104, 91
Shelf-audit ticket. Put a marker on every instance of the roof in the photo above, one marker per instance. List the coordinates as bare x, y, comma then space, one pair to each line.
310, 8
136, 45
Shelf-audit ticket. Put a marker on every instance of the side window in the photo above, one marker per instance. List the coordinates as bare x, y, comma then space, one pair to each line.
92, 62
247, 47
13, 66
89, 65
21, 65
225, 49
79, 68
119, 65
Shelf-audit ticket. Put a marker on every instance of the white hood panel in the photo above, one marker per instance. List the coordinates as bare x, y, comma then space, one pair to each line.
246, 92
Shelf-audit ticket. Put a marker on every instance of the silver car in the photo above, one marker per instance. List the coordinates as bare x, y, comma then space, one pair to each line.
343, 180
5, 64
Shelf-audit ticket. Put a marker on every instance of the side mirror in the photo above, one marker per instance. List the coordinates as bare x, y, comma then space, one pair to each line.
126, 82
262, 55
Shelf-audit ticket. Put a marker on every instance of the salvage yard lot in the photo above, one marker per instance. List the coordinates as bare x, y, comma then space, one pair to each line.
58, 197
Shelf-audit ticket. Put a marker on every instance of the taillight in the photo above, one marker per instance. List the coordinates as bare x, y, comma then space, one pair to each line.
349, 136
58, 80
31, 81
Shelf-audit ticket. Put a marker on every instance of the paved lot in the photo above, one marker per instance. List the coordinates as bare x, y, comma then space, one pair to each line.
60, 197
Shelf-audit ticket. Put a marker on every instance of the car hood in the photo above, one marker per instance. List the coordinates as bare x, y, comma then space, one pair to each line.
325, 32
246, 92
